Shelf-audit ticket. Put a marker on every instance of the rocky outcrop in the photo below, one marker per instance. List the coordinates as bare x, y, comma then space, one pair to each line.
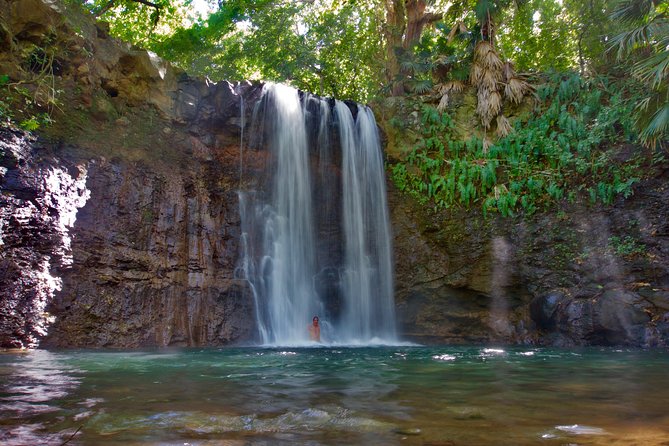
580, 276
37, 206
121, 221
155, 255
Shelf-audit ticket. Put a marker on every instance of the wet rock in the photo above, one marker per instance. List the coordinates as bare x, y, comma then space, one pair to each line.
408, 431
619, 318
544, 309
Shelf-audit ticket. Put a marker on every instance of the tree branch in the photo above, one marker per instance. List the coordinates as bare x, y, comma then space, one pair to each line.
112, 3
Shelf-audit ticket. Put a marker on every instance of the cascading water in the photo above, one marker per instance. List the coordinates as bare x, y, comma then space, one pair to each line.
315, 235
367, 275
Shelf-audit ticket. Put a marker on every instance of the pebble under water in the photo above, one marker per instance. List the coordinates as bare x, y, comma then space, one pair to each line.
336, 395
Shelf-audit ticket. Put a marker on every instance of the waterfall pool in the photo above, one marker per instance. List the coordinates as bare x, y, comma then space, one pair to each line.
446, 395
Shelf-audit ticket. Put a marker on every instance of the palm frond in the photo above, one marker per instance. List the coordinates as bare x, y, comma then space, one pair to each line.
653, 118
654, 32
632, 10
503, 126
485, 8
628, 41
488, 80
458, 28
420, 86
489, 103
495, 102
509, 71
475, 74
492, 61
653, 69
658, 127
482, 49
516, 89
454, 86
443, 102
463, 28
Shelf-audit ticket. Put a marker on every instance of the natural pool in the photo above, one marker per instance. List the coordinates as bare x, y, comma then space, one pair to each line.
336, 395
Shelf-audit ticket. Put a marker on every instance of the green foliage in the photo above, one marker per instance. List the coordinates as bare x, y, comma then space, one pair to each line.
140, 23
30, 102
626, 246
325, 47
554, 154
646, 42
531, 34
24, 107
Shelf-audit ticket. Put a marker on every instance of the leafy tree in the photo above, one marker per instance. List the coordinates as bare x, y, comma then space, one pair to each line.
142, 22
326, 47
404, 26
546, 35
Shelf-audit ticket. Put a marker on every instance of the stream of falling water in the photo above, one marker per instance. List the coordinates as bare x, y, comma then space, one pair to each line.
316, 235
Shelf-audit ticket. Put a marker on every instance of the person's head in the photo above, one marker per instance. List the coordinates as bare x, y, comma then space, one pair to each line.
315, 320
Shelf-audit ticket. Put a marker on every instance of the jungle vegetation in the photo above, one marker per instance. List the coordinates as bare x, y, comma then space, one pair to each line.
554, 84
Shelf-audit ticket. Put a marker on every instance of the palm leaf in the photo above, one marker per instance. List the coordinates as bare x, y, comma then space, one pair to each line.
653, 69
455, 86
509, 71
656, 31
492, 61
475, 74
653, 118
632, 10
488, 80
420, 86
516, 89
627, 41
443, 103
503, 126
482, 49
485, 8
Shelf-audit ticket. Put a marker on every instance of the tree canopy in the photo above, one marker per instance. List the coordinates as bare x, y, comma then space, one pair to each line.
361, 49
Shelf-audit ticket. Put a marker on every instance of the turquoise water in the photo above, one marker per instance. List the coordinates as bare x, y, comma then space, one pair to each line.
333, 396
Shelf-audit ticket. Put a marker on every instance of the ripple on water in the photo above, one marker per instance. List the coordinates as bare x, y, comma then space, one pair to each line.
444, 357
310, 419
578, 429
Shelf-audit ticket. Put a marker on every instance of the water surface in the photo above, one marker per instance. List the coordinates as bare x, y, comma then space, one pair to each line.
333, 396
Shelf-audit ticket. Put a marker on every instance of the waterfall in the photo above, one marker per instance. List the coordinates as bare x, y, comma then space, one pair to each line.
242, 124
369, 309
315, 229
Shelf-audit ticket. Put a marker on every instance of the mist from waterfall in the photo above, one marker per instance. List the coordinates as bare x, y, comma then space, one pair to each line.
315, 230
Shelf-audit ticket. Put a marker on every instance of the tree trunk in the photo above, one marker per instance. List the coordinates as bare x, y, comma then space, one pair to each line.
405, 22
416, 21
394, 30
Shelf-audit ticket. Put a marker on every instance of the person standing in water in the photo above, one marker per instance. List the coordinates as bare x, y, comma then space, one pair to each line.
315, 330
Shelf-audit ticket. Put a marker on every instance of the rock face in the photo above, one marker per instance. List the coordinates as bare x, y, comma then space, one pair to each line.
155, 256
121, 222
578, 277
38, 201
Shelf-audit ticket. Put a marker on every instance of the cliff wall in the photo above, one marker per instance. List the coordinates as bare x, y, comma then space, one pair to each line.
119, 224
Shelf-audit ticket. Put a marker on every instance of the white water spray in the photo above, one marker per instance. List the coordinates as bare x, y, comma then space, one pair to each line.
313, 216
